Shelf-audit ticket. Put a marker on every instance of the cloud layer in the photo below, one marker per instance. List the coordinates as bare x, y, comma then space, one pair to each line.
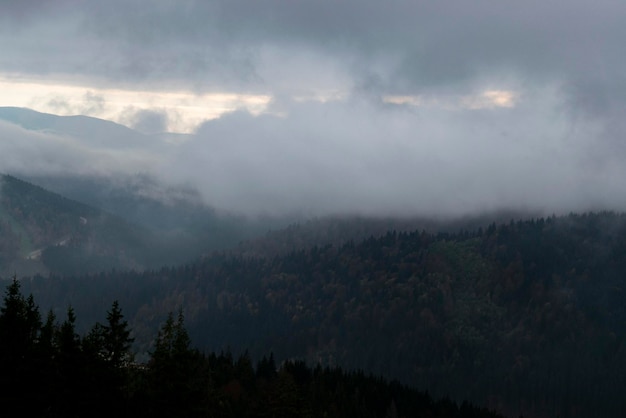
401, 107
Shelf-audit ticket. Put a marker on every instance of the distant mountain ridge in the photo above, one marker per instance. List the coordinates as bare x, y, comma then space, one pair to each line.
97, 132
34, 120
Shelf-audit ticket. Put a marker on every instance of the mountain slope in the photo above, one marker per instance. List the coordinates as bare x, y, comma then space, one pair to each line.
175, 212
526, 317
43, 231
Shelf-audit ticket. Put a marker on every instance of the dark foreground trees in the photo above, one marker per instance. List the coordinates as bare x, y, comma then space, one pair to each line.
48, 370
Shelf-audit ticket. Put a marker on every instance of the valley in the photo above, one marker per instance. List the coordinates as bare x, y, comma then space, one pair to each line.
516, 315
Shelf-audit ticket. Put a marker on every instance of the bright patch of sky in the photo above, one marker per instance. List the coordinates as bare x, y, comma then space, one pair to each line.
488, 99
184, 111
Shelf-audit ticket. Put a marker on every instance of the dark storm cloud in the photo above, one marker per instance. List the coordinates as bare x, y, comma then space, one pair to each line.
409, 44
406, 44
24, 9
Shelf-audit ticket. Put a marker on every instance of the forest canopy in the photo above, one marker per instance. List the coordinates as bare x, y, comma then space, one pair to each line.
50, 370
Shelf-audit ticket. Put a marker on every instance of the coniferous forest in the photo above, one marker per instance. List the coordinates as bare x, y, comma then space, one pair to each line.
49, 370
523, 317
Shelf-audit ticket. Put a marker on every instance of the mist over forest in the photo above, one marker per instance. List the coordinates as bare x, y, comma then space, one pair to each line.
431, 192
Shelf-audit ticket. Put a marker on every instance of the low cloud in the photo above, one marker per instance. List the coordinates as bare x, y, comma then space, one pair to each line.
147, 121
89, 103
360, 157
92, 104
30, 152
396, 107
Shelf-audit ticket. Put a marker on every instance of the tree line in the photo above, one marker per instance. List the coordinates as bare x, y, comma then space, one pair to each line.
48, 370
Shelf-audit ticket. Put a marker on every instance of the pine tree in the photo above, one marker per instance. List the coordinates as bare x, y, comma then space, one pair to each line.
111, 343
20, 324
108, 355
176, 370
118, 340
71, 387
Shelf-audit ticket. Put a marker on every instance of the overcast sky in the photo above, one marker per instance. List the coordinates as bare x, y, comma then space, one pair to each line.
368, 106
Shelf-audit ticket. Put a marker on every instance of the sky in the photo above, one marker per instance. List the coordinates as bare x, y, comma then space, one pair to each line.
323, 107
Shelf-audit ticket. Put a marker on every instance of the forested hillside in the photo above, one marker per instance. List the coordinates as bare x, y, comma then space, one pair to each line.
49, 370
526, 317
45, 232
177, 214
